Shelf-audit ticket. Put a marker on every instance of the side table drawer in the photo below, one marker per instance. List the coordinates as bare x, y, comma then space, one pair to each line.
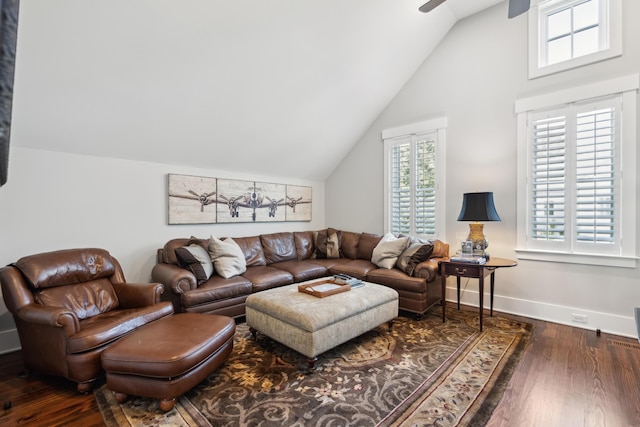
462, 270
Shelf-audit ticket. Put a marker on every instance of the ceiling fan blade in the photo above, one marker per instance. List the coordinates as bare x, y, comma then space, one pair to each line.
430, 5
518, 7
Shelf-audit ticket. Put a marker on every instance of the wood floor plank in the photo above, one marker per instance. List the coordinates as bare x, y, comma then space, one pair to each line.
566, 377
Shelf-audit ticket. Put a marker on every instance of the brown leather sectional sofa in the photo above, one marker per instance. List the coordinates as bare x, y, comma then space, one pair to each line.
280, 259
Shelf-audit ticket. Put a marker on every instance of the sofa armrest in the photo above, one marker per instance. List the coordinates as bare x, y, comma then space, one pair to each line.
428, 269
48, 316
135, 295
174, 278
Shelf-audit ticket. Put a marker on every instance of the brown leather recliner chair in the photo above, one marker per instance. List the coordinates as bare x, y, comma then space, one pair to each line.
70, 305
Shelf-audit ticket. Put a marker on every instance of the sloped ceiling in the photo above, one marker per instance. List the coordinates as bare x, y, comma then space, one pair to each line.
271, 87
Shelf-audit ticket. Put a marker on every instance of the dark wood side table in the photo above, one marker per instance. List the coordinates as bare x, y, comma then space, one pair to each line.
478, 271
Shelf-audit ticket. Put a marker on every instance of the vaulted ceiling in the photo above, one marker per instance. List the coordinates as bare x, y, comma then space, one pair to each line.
271, 87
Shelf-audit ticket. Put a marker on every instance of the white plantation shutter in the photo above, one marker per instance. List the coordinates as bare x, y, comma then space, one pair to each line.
577, 174
401, 187
425, 179
595, 176
411, 171
573, 179
548, 179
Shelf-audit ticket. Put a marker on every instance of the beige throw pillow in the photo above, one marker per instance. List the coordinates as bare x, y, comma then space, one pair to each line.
228, 259
387, 251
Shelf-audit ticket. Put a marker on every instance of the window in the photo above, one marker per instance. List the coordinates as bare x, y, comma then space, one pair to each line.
565, 34
413, 184
576, 169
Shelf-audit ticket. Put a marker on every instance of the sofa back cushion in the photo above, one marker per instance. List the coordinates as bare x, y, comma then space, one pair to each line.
252, 249
278, 247
84, 299
169, 250
349, 244
305, 248
366, 244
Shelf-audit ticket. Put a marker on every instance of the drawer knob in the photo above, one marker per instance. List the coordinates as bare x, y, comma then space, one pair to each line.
463, 271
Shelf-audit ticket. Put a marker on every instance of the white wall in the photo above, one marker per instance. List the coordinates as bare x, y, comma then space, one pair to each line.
56, 200
473, 78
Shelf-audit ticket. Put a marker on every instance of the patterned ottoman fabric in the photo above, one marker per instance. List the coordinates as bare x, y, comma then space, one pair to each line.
312, 325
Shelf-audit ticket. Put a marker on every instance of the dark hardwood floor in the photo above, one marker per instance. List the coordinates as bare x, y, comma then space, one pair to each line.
567, 377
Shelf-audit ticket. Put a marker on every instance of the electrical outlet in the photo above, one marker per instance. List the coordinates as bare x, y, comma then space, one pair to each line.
578, 318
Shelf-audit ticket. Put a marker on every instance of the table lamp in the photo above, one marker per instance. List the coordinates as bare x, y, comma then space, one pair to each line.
478, 207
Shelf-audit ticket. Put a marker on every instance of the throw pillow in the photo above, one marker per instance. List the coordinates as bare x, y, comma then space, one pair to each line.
387, 251
334, 240
195, 259
228, 258
321, 244
423, 253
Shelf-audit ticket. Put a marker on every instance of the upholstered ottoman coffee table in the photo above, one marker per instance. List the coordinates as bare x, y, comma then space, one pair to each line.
312, 325
168, 357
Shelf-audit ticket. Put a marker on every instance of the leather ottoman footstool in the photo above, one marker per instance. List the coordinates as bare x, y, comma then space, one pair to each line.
168, 357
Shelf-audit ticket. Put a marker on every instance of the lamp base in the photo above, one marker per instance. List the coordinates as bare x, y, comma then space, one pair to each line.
476, 236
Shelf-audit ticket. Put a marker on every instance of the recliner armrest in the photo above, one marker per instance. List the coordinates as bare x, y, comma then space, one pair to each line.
134, 295
58, 317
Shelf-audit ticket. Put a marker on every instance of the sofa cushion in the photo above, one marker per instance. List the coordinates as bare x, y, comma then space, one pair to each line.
195, 259
228, 258
387, 251
329, 263
252, 249
302, 270
397, 280
84, 299
366, 244
349, 244
358, 268
304, 244
414, 255
278, 247
216, 289
266, 277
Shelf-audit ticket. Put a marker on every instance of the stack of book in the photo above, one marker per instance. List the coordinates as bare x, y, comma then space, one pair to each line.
469, 259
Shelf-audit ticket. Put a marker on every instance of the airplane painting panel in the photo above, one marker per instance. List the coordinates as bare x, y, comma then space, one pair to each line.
298, 203
192, 199
232, 201
269, 201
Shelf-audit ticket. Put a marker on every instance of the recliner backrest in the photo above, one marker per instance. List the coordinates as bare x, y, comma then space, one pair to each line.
77, 279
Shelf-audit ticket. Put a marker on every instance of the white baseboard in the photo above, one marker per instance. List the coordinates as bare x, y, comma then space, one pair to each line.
594, 320
9, 341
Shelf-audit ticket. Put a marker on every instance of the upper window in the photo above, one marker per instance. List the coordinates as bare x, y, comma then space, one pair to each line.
576, 166
565, 34
413, 184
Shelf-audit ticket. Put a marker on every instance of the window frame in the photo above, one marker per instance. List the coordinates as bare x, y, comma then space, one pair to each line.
625, 253
390, 138
610, 39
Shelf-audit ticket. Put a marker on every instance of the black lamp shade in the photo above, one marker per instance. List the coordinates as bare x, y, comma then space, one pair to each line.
478, 207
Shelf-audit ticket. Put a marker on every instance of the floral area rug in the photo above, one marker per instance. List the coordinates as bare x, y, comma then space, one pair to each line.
419, 373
